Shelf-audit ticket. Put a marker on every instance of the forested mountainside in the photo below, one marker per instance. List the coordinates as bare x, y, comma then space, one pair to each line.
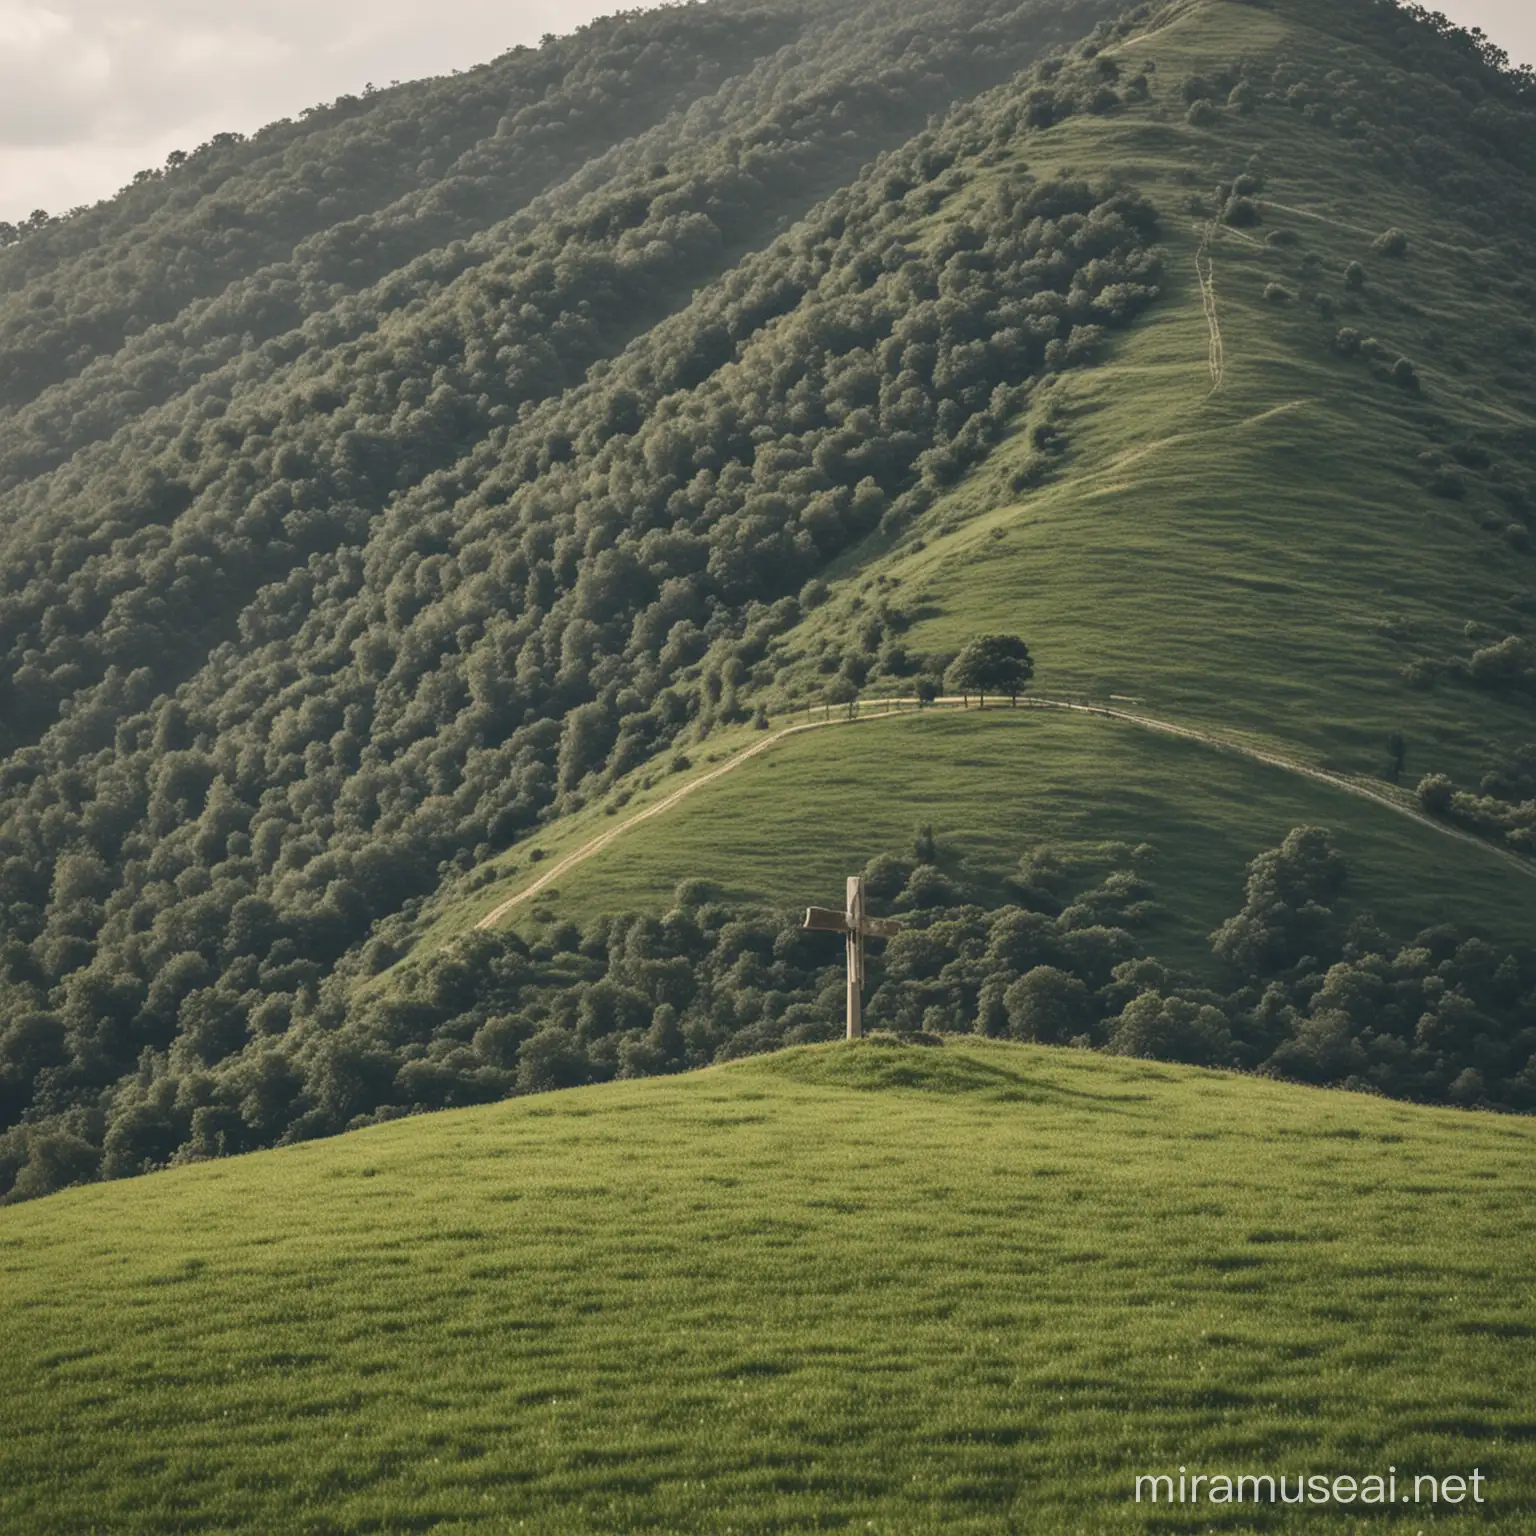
378, 489
276, 250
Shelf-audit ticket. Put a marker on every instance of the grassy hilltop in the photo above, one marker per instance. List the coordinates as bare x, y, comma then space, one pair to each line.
1268, 548
971, 1288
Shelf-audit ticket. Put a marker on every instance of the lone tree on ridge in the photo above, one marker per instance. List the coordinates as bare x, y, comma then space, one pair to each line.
992, 664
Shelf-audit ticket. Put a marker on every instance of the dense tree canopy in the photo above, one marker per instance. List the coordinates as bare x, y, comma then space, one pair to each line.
1312, 989
378, 487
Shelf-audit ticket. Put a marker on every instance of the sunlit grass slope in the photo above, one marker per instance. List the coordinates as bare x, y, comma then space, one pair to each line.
789, 826
1267, 554
976, 1288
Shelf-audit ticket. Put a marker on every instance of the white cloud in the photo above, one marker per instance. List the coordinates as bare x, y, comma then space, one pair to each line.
52, 79
93, 90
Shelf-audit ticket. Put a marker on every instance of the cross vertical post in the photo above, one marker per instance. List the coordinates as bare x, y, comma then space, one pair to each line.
855, 926
855, 956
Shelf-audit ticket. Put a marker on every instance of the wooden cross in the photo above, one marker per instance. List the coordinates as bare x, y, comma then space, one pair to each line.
856, 927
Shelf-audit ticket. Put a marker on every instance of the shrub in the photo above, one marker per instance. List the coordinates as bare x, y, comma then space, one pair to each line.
1393, 243
928, 886
1347, 342
1468, 1089
553, 1058
1030, 473
55, 1160
1240, 213
498, 1040
1405, 374
1278, 293
884, 877
1040, 108
1354, 277
1201, 114
1240, 98
1281, 237
1436, 794
1509, 664
1171, 1029
1047, 1005
1324, 1050
1288, 913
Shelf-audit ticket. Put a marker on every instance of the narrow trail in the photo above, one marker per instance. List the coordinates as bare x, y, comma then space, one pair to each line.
1205, 270
1319, 217
894, 710
1291, 765
603, 839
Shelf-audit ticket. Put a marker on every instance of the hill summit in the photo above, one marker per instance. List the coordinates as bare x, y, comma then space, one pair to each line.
946, 1289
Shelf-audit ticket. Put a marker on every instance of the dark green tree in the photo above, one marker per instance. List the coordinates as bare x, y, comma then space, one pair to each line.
992, 664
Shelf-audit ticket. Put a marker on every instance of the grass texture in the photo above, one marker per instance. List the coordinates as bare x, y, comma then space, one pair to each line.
1263, 554
964, 1289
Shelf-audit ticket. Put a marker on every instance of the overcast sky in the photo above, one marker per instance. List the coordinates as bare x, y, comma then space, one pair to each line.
93, 90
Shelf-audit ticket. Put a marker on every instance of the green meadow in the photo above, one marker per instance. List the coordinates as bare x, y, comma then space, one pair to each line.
881, 1288
787, 827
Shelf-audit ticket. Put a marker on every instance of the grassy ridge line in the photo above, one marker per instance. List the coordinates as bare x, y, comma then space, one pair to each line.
893, 708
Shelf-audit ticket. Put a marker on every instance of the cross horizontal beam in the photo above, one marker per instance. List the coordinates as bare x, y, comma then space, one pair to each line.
825, 920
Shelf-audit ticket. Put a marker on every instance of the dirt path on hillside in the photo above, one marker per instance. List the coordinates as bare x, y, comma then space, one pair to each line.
1291, 765
1205, 270
603, 839
907, 709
